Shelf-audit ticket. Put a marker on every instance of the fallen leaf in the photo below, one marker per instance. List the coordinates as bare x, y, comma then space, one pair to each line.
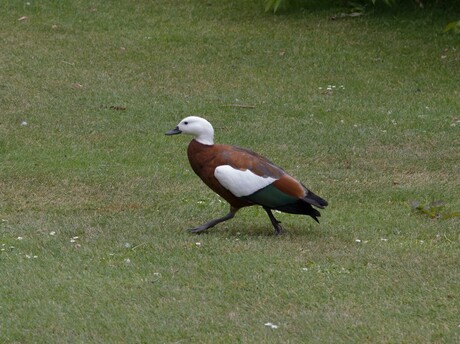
434, 210
23, 18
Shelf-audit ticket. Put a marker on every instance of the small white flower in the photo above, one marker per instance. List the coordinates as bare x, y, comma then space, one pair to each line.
384, 239
271, 325
72, 240
20, 238
156, 274
24, 123
358, 241
52, 233
198, 244
305, 269
127, 245
127, 261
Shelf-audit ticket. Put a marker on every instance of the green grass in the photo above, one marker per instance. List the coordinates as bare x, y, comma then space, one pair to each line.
374, 271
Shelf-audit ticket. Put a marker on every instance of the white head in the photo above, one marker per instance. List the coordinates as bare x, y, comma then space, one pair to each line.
200, 128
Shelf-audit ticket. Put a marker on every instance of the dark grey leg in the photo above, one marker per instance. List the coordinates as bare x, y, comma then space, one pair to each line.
276, 224
214, 222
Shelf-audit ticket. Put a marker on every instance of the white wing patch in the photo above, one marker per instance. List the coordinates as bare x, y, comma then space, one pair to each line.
240, 183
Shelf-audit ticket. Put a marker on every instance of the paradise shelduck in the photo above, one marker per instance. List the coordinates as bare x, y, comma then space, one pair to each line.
244, 178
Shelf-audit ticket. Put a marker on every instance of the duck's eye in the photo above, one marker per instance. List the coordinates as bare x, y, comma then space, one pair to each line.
185, 123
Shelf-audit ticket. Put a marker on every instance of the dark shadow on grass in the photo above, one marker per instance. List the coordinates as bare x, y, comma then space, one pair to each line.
312, 231
411, 9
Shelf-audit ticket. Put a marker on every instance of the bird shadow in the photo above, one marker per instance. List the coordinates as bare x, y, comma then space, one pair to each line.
265, 231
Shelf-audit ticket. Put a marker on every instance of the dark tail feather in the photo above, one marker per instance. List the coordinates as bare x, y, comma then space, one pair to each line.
304, 206
314, 199
300, 207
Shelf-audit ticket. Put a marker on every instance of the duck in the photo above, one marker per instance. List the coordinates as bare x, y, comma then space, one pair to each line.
244, 178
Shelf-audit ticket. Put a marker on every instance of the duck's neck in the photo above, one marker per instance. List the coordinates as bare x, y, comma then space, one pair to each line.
206, 137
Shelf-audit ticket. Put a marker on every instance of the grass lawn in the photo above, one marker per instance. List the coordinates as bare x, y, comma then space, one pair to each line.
95, 200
